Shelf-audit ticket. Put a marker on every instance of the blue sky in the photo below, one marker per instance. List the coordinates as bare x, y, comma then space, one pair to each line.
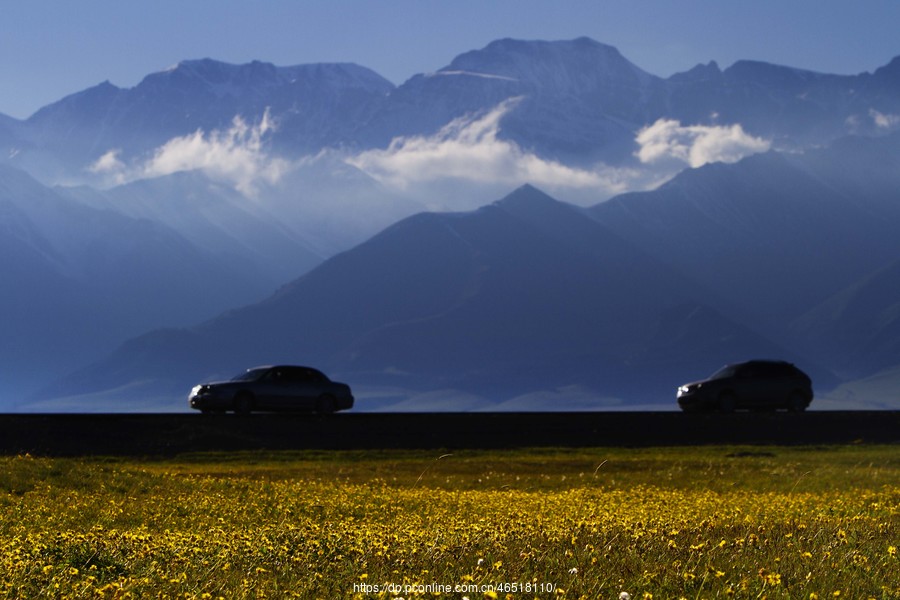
52, 48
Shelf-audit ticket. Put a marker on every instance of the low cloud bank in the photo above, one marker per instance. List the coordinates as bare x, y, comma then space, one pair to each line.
469, 149
236, 155
668, 141
884, 121
466, 157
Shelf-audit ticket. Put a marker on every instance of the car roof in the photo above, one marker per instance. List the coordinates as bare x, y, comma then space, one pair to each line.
761, 362
270, 367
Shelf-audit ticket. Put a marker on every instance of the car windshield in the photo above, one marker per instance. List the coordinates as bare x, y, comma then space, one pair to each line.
249, 375
724, 372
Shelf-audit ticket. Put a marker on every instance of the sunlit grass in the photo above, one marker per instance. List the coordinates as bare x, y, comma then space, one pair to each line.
671, 523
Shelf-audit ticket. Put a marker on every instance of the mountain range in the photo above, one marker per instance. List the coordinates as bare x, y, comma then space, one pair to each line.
162, 219
581, 101
772, 256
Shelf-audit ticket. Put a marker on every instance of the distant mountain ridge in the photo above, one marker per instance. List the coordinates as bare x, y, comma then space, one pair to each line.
582, 102
315, 103
622, 301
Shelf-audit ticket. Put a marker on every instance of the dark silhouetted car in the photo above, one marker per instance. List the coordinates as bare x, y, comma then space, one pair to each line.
753, 385
278, 388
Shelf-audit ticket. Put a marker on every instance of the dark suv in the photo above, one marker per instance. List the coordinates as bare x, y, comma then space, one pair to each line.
278, 388
753, 385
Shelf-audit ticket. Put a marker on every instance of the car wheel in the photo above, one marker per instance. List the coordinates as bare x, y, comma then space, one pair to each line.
797, 402
243, 404
325, 405
727, 403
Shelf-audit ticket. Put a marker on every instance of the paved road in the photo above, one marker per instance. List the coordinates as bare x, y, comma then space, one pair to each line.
170, 434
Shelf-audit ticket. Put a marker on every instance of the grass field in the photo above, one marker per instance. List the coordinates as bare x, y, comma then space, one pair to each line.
597, 523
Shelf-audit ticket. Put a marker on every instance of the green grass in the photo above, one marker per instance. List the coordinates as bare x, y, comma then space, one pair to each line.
711, 522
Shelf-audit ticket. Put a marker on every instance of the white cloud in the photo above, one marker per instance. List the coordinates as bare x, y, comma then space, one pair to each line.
469, 149
236, 155
883, 121
108, 163
695, 145
463, 165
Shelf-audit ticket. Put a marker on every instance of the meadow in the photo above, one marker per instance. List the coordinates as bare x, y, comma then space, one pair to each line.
711, 522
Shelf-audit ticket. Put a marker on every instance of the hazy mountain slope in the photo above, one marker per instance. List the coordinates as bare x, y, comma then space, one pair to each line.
771, 233
859, 327
8, 126
875, 392
805, 246
524, 294
78, 279
31, 315
866, 170
561, 303
227, 225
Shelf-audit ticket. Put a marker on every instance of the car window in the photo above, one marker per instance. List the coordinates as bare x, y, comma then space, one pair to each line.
786, 371
316, 376
723, 373
775, 370
297, 375
764, 370
303, 375
277, 376
747, 372
778, 370
249, 375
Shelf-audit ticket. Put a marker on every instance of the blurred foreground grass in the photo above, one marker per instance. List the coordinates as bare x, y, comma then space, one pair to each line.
708, 522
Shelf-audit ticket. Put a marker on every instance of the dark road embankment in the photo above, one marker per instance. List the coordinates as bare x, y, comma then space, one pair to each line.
170, 434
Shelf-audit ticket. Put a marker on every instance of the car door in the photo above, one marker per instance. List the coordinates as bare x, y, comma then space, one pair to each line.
303, 390
779, 382
750, 386
273, 390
